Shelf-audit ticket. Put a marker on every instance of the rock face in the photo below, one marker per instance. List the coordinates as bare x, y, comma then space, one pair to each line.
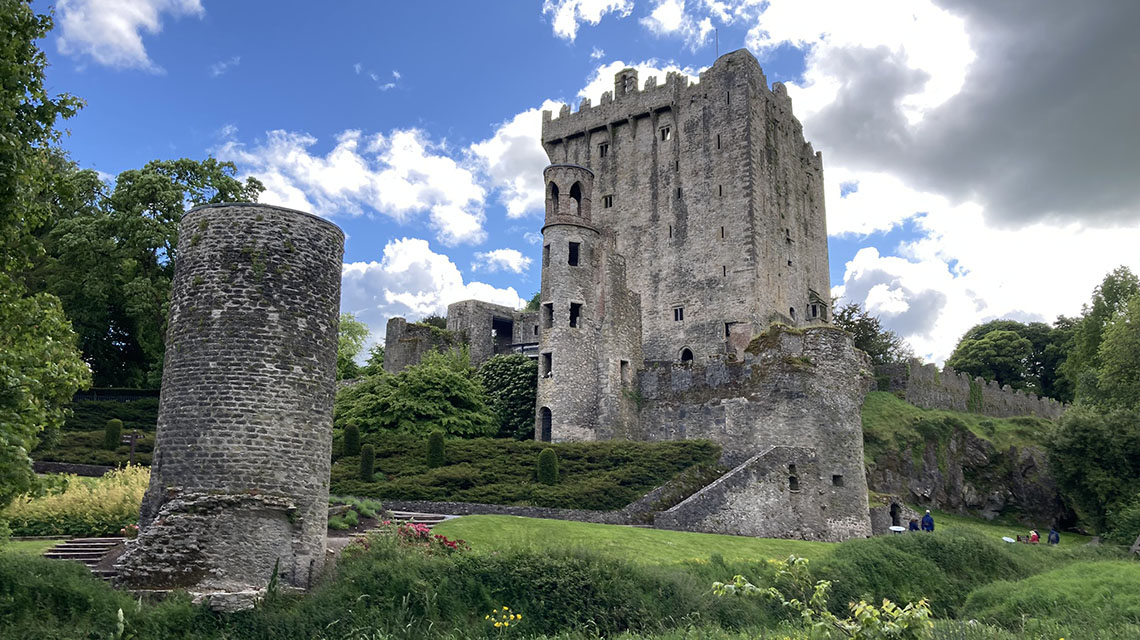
239, 482
965, 473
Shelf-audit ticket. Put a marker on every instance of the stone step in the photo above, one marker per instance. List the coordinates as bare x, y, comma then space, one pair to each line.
75, 555
84, 547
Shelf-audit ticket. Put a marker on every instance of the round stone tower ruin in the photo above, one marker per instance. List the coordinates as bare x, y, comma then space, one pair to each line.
567, 404
239, 484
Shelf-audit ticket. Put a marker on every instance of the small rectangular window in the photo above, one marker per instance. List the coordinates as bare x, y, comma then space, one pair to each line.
546, 255
547, 364
575, 312
814, 308
837, 480
670, 231
572, 260
678, 192
722, 233
603, 149
724, 271
728, 328
727, 97
789, 263
548, 315
793, 483
666, 134
607, 202
678, 314
536, 329
718, 141
623, 369
676, 165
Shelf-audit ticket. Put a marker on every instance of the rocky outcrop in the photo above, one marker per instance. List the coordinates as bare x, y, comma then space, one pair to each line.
964, 473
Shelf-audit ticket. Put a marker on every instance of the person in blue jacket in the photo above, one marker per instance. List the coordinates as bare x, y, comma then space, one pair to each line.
928, 521
913, 525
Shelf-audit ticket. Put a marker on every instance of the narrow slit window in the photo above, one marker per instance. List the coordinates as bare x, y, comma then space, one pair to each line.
623, 369
547, 364
676, 165
536, 329
678, 192
728, 328
607, 202
727, 97
678, 314
546, 255
603, 149
572, 260
670, 231
722, 233
724, 271
548, 315
720, 190
792, 312
718, 141
666, 134
575, 313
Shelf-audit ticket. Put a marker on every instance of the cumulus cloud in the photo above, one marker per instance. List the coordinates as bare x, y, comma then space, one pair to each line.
501, 260
597, 54
602, 79
218, 68
513, 160
110, 31
411, 281
669, 18
401, 175
568, 14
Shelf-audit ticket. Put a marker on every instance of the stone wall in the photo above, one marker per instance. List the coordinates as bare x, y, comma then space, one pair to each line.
239, 483
406, 344
923, 385
781, 492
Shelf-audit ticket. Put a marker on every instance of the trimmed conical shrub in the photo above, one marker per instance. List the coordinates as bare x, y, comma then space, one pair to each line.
367, 462
352, 440
113, 434
435, 449
548, 467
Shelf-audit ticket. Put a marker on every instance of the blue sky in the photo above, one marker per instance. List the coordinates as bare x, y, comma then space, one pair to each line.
978, 166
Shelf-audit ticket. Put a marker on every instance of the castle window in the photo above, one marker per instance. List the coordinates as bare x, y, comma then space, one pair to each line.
792, 312
724, 271
575, 312
814, 307
720, 190
686, 355
572, 260
576, 196
718, 141
722, 233
603, 149
547, 365
791, 469
678, 314
546, 420
607, 201
793, 483
670, 231
536, 329
678, 192
837, 480
548, 315
666, 134
623, 371
546, 255
727, 97
676, 165
553, 198
789, 263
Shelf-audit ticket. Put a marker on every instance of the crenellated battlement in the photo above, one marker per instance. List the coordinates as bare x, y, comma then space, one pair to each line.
924, 385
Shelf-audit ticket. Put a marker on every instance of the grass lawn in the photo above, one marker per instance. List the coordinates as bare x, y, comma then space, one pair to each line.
999, 529
649, 546
33, 547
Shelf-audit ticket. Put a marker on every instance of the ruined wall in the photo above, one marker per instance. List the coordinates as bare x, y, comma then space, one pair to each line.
240, 477
473, 322
712, 196
797, 388
406, 344
781, 492
923, 385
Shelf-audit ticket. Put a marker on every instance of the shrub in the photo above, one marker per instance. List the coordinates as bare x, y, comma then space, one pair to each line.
367, 460
548, 466
351, 439
1124, 523
113, 434
435, 449
87, 507
511, 382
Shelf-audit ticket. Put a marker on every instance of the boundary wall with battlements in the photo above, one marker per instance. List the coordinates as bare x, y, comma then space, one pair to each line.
924, 385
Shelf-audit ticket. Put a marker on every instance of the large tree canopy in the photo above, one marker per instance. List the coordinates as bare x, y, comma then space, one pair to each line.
883, 345
999, 355
351, 336
40, 366
980, 353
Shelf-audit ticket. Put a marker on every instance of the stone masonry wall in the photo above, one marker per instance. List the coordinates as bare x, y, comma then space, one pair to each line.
406, 344
239, 482
923, 385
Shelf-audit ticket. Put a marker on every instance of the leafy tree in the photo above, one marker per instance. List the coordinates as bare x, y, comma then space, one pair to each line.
375, 364
1118, 377
351, 337
534, 303
1108, 299
883, 345
40, 366
434, 320
1039, 371
441, 392
511, 382
998, 355
1095, 459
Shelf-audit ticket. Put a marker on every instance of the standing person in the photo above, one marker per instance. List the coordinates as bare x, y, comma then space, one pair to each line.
928, 521
913, 524
1054, 537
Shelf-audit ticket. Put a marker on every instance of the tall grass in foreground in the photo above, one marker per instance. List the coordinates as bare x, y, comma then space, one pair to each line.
86, 507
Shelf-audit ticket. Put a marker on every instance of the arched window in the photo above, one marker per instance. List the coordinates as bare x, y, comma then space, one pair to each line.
686, 355
546, 419
576, 196
553, 198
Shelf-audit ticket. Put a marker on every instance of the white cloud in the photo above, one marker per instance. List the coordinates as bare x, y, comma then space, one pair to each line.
218, 68
669, 18
357, 67
411, 281
513, 159
597, 54
569, 13
401, 174
532, 237
602, 79
501, 260
110, 31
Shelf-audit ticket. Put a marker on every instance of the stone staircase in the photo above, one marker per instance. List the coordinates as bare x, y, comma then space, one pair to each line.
429, 520
89, 551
